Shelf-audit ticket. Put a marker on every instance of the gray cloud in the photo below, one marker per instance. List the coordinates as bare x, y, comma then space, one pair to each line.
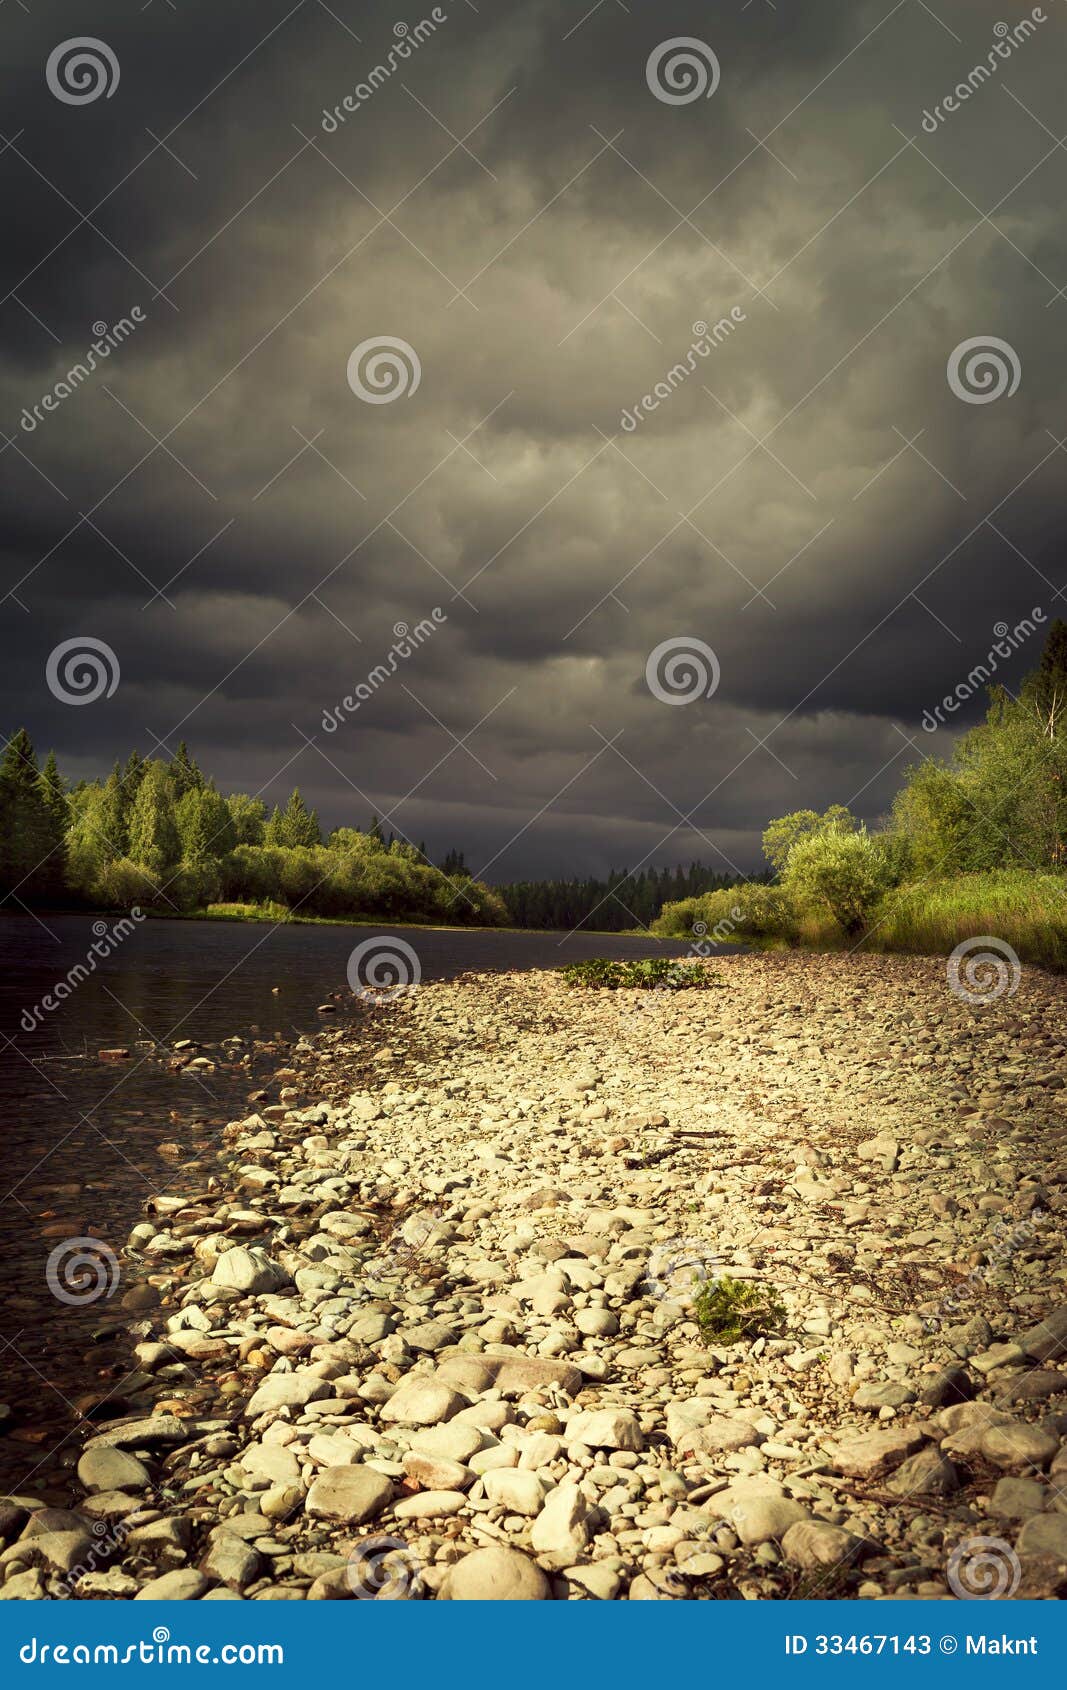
772, 506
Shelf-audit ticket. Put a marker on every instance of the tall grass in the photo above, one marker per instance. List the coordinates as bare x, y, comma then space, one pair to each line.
924, 918
1027, 910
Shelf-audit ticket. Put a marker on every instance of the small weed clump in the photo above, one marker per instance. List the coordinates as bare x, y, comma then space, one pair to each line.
727, 1311
654, 974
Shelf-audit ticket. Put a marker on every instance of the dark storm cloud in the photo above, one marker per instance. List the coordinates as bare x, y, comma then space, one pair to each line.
811, 501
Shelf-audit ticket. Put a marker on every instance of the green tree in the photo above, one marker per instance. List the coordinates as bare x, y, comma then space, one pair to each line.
54, 797
782, 835
154, 839
113, 819
27, 836
96, 837
54, 793
1046, 689
205, 825
1001, 800
131, 777
843, 873
184, 771
248, 817
297, 824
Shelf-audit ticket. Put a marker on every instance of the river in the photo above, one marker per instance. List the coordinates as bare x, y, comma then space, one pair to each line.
86, 1140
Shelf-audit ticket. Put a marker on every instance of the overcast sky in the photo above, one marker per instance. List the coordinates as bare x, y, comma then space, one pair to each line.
242, 528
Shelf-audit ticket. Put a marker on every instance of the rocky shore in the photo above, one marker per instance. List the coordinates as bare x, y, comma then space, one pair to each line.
431, 1331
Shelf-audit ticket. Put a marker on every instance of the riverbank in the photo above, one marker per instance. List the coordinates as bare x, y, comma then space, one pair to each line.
279, 915
430, 1325
1025, 914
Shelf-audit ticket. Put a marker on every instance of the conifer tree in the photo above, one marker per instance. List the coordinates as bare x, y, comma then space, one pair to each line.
154, 839
131, 777
26, 837
205, 825
299, 825
113, 819
248, 817
184, 771
57, 810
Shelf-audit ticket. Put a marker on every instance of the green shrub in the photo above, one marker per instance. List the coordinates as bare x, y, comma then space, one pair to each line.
122, 884
734, 913
247, 912
659, 973
728, 1311
843, 874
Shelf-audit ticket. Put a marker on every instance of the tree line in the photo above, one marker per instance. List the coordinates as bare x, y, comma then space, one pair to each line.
617, 904
158, 834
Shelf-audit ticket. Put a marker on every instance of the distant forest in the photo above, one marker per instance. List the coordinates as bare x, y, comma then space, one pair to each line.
618, 904
159, 835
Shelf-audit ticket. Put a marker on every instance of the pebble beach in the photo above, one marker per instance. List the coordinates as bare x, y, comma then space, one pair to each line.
429, 1328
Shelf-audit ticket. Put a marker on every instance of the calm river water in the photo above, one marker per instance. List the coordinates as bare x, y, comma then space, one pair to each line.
82, 1138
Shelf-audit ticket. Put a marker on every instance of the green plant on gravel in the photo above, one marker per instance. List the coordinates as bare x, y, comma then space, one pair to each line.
728, 1311
654, 973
